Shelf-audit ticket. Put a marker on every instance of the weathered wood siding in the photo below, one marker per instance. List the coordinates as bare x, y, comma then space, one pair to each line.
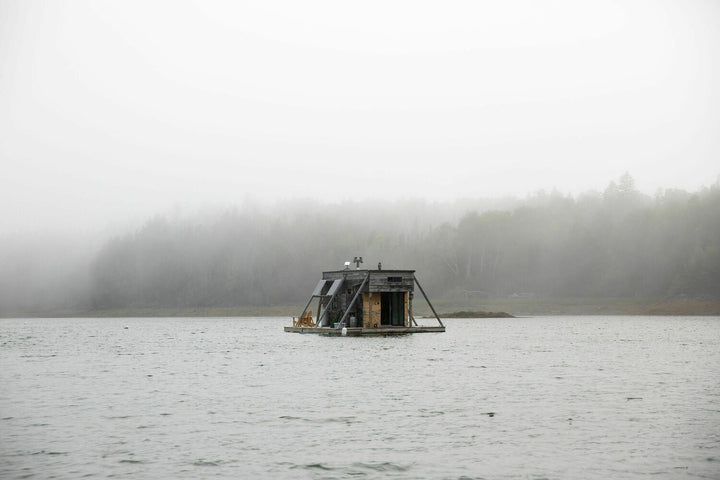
391, 282
380, 280
346, 274
368, 308
371, 309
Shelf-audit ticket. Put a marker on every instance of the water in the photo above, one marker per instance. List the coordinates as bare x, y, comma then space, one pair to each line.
546, 397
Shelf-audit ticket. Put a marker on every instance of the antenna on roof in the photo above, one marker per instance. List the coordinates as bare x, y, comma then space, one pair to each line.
358, 261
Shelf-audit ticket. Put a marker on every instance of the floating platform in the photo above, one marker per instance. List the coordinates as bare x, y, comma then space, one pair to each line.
365, 332
364, 303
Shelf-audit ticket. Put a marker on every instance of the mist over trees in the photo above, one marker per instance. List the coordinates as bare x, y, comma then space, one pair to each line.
44, 272
618, 243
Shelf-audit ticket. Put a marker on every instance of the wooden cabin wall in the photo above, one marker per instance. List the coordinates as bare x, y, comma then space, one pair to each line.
368, 309
372, 309
382, 283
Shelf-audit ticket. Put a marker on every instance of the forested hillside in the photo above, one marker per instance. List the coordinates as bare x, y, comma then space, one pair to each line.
618, 243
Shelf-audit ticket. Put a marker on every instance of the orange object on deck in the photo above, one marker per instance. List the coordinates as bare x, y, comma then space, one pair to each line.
306, 320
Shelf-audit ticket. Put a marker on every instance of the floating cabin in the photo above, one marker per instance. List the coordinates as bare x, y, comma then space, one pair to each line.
364, 303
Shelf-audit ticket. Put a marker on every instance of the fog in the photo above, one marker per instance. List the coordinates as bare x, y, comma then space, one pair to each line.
116, 113
112, 111
611, 245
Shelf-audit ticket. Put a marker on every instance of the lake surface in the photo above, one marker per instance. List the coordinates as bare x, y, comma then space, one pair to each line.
530, 398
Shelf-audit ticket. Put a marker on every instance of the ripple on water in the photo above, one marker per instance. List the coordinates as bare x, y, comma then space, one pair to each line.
355, 468
554, 397
320, 420
43, 452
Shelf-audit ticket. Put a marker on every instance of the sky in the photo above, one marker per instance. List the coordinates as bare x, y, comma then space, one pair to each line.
111, 111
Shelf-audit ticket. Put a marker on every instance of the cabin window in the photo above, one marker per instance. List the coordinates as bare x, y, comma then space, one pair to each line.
394, 279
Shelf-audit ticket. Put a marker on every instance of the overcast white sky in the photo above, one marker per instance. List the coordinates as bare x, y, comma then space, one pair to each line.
119, 109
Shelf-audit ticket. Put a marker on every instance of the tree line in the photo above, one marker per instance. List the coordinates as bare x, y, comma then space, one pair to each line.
618, 243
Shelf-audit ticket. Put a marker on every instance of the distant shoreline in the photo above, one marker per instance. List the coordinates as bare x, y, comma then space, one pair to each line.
476, 314
489, 308
602, 306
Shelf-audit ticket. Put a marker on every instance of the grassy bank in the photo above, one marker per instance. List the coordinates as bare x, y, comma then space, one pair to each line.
583, 306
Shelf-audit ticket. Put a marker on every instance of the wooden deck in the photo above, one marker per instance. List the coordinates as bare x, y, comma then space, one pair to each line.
365, 332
